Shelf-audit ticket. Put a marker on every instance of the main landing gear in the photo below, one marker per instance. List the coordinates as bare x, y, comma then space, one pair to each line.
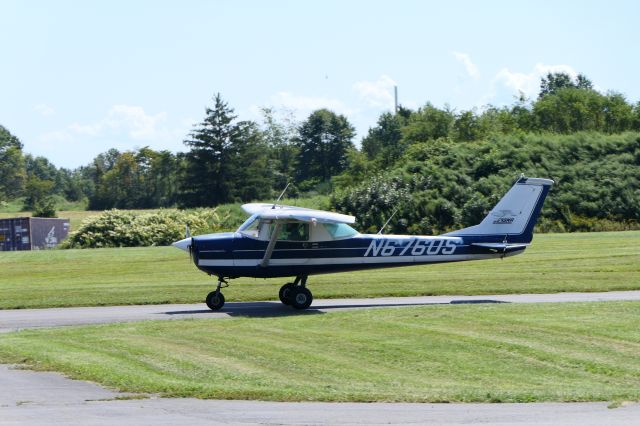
215, 299
296, 294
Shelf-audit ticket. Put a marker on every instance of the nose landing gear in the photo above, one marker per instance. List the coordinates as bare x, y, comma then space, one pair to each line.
215, 299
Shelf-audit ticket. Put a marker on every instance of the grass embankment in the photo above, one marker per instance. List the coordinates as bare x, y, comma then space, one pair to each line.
554, 263
472, 353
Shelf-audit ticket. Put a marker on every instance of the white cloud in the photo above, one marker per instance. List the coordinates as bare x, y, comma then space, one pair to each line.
377, 93
134, 120
44, 109
129, 119
56, 136
529, 83
469, 66
306, 104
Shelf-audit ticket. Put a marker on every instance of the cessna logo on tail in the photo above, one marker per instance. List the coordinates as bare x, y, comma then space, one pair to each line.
504, 221
415, 247
505, 217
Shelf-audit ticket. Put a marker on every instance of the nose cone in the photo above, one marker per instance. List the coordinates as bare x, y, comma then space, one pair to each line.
182, 244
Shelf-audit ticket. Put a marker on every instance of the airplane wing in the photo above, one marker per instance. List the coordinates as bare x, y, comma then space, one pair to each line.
280, 212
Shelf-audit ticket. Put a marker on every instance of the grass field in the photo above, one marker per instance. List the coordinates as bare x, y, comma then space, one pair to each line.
554, 263
471, 353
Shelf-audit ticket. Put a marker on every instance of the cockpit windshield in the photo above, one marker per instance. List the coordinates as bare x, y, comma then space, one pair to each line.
250, 227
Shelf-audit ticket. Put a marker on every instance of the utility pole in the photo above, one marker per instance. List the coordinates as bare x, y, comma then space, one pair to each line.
395, 92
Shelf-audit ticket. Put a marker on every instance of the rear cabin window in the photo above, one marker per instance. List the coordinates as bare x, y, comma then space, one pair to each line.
293, 231
339, 230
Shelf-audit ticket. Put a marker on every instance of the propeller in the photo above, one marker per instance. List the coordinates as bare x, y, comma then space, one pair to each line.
187, 234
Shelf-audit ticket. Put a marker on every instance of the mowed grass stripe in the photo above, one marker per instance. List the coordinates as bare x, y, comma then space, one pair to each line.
554, 263
496, 352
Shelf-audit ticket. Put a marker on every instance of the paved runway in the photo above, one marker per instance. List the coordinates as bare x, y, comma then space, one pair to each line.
17, 319
31, 398
35, 398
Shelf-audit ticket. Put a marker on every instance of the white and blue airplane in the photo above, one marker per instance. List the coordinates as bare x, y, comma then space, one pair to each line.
288, 241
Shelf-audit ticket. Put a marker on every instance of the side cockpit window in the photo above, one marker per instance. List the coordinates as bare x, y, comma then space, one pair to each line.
339, 230
293, 231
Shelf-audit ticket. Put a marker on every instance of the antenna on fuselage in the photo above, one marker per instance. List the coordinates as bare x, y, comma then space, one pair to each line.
387, 222
281, 194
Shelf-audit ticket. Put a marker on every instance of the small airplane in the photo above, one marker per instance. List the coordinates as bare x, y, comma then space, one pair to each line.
288, 241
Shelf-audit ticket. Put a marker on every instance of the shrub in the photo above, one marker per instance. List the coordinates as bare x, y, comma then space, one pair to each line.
115, 228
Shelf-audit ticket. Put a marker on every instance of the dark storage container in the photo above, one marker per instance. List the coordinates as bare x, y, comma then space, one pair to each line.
32, 233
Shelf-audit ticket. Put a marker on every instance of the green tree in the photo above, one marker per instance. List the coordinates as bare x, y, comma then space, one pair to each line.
119, 187
618, 113
323, 142
42, 168
571, 110
428, 123
162, 178
560, 80
279, 135
38, 197
207, 180
12, 172
466, 127
252, 176
226, 158
384, 142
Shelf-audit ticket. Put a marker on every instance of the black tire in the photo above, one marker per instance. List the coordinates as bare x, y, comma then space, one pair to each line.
285, 293
215, 300
301, 298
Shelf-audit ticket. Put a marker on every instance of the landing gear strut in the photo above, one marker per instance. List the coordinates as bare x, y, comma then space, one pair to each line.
215, 299
296, 293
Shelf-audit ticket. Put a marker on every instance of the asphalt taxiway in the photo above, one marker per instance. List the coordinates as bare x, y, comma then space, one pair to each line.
30, 398
37, 398
18, 319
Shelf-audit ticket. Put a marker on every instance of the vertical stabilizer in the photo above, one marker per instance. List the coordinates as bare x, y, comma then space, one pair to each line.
515, 215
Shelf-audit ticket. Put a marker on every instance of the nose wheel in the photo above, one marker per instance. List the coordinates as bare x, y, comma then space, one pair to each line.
215, 299
296, 294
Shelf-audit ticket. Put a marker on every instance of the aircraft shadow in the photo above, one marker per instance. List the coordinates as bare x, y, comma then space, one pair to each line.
249, 309
277, 309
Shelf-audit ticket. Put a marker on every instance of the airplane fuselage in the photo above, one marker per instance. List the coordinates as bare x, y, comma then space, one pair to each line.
236, 255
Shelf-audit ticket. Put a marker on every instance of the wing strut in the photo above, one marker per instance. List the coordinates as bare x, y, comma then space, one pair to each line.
272, 245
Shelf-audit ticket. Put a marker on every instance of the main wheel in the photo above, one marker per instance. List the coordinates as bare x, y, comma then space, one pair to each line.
285, 293
215, 300
301, 298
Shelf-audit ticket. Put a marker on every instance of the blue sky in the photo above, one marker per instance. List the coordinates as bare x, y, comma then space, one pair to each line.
78, 78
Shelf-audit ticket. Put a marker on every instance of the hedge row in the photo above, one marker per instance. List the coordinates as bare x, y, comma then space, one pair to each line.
115, 228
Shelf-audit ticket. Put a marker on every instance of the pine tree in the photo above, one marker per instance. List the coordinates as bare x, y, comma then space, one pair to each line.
206, 180
227, 161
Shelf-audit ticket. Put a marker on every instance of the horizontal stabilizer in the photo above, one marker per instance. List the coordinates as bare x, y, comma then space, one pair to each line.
501, 247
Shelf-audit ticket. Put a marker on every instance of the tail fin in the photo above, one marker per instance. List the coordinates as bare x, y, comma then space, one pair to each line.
515, 215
